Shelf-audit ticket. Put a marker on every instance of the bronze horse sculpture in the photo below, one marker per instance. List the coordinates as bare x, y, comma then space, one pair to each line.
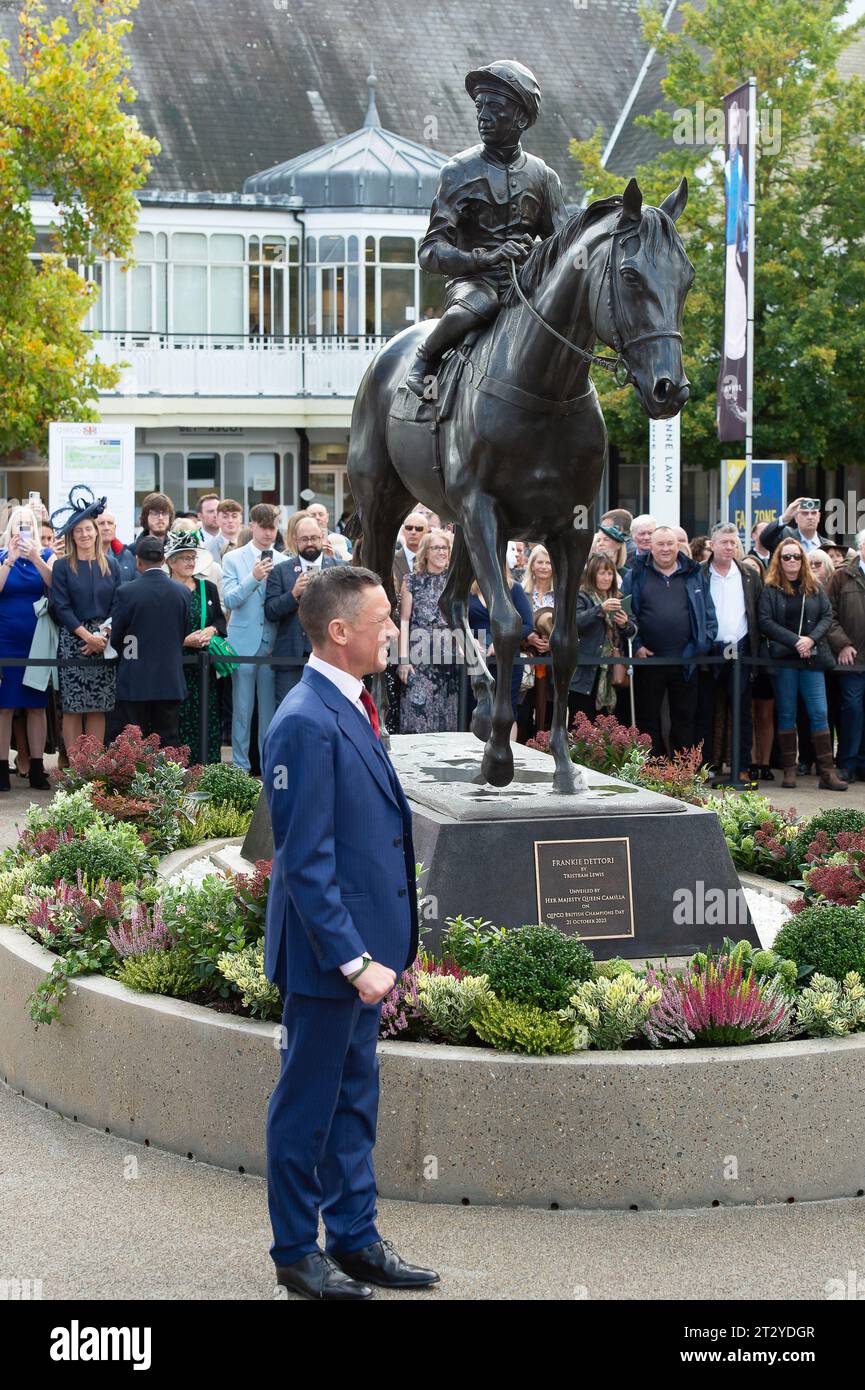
515, 445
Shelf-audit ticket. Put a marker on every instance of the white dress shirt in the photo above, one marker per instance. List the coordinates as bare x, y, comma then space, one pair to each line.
728, 596
349, 686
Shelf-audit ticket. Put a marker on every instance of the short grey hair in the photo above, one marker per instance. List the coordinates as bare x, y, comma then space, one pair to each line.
860, 539
725, 528
643, 520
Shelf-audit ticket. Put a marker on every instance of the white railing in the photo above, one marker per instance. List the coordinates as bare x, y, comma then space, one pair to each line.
185, 364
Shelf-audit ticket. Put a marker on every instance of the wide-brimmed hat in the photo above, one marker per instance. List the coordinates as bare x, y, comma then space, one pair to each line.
83, 505
177, 542
543, 621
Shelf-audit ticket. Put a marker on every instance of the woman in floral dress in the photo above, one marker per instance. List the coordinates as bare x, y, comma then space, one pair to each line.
430, 691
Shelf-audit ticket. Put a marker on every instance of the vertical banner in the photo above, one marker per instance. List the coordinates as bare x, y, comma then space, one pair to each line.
733, 397
665, 470
768, 493
100, 456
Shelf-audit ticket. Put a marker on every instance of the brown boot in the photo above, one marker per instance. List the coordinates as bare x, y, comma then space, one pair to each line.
829, 779
787, 745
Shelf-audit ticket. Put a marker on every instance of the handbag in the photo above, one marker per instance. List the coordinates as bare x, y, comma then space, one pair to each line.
220, 646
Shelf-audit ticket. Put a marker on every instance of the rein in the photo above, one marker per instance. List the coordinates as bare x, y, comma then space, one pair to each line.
609, 364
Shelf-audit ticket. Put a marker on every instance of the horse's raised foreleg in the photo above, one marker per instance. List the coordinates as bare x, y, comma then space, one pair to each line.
454, 606
568, 554
487, 541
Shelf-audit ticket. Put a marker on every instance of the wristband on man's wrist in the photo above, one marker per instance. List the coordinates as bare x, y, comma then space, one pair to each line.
352, 978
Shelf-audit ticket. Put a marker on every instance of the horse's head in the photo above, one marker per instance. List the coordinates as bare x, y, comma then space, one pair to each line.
641, 301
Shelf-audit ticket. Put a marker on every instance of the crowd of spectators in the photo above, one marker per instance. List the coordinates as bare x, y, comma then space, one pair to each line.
129, 610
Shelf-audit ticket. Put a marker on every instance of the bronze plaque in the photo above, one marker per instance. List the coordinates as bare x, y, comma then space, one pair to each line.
584, 887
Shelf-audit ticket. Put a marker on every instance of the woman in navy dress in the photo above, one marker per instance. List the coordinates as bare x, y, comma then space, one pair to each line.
25, 573
479, 622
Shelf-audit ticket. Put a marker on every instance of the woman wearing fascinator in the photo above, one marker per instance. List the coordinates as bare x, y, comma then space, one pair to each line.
83, 587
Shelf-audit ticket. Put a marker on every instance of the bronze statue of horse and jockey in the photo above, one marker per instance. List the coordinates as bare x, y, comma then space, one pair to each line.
514, 443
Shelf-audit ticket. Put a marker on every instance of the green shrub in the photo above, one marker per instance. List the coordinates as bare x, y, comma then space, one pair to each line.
830, 823
65, 811
104, 851
829, 1009
829, 940
466, 938
213, 822
536, 965
760, 838
13, 884
226, 785
449, 1004
206, 920
612, 969
612, 1011
159, 972
245, 970
512, 1027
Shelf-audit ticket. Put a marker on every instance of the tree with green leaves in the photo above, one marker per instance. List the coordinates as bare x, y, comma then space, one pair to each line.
64, 133
809, 328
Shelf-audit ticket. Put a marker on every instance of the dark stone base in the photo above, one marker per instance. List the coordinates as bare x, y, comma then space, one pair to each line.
664, 883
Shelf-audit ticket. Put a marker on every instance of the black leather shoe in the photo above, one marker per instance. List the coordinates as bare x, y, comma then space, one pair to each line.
380, 1264
317, 1276
766, 774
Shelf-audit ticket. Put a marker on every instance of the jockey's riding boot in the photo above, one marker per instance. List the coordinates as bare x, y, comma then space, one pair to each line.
449, 332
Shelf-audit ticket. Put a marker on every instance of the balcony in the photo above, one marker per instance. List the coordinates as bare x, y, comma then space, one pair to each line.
186, 364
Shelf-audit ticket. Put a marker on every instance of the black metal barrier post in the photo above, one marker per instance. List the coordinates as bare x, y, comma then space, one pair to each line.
204, 706
736, 728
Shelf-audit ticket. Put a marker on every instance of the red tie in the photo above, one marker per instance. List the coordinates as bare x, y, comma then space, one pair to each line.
369, 705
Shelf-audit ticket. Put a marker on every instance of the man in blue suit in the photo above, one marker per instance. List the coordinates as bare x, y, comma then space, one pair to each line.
282, 594
244, 576
341, 927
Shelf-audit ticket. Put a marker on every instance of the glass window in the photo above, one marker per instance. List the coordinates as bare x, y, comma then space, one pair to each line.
161, 246
173, 480
226, 248
142, 305
189, 246
143, 245
233, 477
146, 477
370, 249
226, 298
370, 299
353, 321
254, 251
353, 249
202, 475
331, 248
262, 471
432, 295
311, 248
288, 481
118, 282
274, 248
397, 248
190, 299
397, 296
294, 250
311, 309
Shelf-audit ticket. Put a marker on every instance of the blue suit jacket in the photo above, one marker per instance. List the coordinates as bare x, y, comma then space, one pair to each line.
343, 878
280, 606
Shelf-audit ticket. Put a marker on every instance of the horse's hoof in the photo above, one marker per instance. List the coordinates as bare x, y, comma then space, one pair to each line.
498, 766
567, 781
482, 726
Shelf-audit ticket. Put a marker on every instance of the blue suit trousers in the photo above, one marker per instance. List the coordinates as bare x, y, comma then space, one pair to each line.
321, 1127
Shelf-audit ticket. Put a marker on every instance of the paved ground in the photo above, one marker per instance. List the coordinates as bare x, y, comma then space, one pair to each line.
96, 1217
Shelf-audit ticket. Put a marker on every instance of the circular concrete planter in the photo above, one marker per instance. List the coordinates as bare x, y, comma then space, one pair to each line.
623, 1129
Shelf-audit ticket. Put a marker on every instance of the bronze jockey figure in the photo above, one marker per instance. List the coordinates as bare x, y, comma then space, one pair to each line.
492, 201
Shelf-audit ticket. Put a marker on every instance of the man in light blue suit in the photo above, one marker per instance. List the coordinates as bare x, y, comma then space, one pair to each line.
341, 927
244, 580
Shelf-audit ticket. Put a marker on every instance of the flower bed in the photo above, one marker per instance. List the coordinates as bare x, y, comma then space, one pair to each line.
83, 881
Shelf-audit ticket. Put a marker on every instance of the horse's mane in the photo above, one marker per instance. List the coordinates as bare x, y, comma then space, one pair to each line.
655, 227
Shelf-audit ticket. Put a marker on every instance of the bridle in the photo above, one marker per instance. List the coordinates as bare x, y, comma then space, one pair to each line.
610, 364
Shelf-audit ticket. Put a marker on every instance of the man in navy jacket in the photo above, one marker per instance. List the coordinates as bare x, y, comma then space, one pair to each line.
341, 927
282, 594
671, 603
149, 620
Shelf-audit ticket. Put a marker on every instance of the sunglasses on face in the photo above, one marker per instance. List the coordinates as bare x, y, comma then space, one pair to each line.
791, 558
414, 528
809, 504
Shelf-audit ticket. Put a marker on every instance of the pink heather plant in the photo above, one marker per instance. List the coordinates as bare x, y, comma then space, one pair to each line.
666, 1023
141, 932
401, 1014
722, 1005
